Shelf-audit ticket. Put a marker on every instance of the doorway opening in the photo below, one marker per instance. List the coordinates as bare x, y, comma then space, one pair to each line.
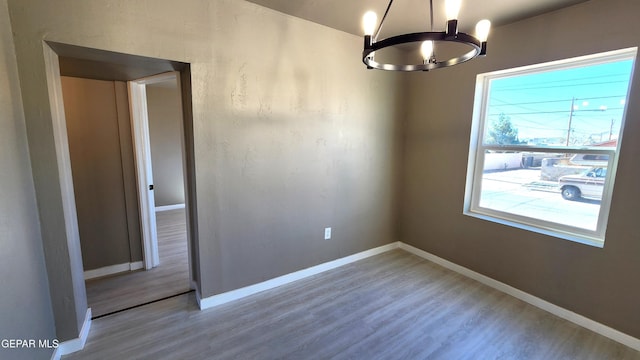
108, 99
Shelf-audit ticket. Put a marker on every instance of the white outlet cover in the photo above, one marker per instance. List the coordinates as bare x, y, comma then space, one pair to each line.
327, 233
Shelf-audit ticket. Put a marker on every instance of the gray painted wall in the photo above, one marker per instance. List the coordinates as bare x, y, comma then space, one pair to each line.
283, 146
600, 284
164, 106
94, 124
25, 305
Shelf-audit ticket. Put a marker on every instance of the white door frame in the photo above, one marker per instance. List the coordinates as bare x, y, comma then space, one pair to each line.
142, 154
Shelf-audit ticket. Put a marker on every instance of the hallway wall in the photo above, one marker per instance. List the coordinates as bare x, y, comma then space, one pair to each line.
164, 105
95, 116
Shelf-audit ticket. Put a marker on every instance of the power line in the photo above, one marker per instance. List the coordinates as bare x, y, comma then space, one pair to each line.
569, 79
552, 112
555, 101
561, 86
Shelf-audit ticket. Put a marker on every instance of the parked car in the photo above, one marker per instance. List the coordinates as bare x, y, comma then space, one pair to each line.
589, 184
595, 160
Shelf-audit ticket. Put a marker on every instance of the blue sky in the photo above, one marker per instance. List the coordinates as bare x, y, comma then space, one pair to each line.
539, 105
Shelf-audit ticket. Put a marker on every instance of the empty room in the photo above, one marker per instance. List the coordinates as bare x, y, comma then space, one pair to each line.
365, 179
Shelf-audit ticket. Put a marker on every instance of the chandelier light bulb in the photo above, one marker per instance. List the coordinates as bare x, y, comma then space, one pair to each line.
452, 9
482, 30
369, 21
426, 49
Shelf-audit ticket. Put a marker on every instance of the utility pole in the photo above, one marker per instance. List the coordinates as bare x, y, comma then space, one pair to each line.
573, 100
611, 129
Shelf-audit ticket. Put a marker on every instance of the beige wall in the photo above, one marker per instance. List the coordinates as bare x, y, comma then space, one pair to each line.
292, 134
25, 305
95, 118
600, 284
165, 120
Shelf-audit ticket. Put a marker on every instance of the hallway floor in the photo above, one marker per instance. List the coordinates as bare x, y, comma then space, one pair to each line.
171, 277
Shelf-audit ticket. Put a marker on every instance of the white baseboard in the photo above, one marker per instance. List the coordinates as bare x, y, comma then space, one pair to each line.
77, 344
112, 269
577, 319
223, 298
169, 207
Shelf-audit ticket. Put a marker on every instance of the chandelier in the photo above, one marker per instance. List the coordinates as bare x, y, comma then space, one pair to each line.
477, 44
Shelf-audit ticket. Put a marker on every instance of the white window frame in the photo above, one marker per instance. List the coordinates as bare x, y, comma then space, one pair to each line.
477, 151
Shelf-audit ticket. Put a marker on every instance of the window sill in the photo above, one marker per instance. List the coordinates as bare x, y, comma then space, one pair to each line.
578, 238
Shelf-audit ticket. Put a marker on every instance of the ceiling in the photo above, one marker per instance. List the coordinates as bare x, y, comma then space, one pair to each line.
408, 16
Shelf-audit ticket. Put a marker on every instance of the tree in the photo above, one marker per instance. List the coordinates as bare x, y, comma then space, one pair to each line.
503, 132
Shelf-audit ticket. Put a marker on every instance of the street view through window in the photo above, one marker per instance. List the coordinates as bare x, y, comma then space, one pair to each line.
545, 144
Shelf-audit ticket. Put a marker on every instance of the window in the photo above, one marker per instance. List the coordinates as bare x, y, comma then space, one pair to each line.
544, 145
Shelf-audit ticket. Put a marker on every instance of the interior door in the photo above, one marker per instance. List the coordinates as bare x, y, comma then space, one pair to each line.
144, 173
142, 151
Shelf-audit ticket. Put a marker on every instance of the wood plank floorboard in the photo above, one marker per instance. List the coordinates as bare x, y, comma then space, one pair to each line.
391, 306
118, 292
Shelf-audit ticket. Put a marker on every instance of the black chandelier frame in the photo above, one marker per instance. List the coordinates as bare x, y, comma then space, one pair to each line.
451, 34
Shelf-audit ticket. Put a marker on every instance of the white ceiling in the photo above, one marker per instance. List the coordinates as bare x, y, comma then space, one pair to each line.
411, 15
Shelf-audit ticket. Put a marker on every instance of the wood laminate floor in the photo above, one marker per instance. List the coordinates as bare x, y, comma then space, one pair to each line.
390, 306
109, 294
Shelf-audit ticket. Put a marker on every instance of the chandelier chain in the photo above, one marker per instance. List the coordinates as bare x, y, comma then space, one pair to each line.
375, 38
431, 13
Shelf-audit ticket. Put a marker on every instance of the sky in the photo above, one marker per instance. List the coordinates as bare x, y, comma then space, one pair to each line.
540, 105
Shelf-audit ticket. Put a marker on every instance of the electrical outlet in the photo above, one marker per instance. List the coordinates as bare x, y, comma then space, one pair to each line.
327, 233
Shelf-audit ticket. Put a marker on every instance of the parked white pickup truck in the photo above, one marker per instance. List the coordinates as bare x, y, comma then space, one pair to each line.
589, 184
